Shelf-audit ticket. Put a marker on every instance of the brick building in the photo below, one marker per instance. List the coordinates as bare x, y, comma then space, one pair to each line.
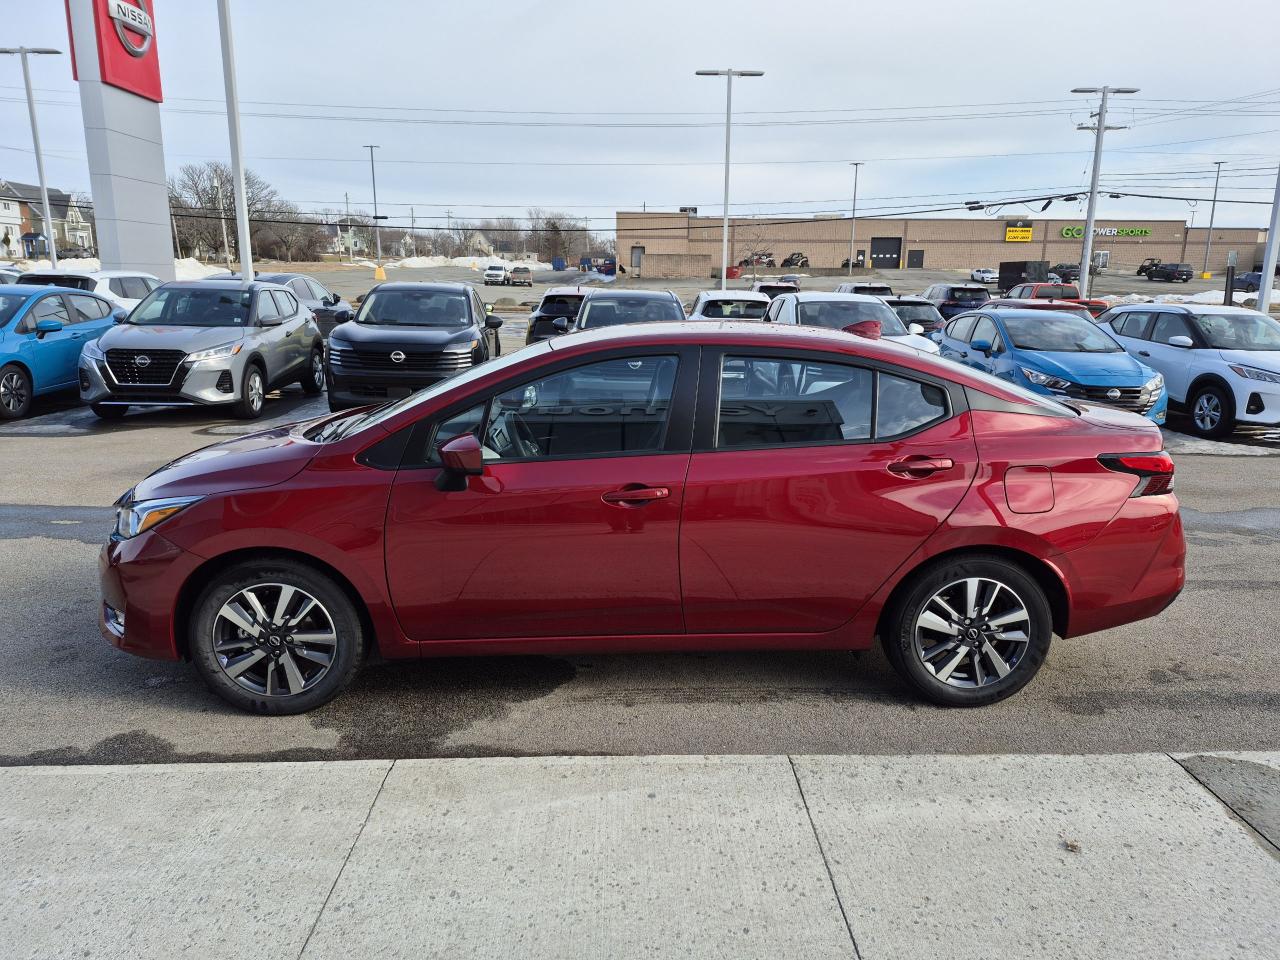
688, 245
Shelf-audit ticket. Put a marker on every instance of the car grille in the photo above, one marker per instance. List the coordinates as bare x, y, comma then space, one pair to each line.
157, 370
436, 361
1137, 399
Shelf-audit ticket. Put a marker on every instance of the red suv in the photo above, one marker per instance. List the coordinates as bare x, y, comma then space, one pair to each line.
1068, 292
655, 487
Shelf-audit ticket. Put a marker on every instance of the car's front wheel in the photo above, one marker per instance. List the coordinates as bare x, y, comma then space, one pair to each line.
312, 379
15, 392
275, 637
1213, 412
253, 393
970, 631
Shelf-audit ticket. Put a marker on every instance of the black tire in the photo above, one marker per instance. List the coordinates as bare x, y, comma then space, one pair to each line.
15, 392
206, 628
1215, 398
108, 411
1022, 659
312, 378
252, 398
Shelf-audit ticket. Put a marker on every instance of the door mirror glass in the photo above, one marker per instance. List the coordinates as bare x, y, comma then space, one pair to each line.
1179, 341
462, 456
561, 324
915, 328
48, 326
982, 346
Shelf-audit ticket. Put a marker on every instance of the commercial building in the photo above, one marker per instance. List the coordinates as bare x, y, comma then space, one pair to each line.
685, 244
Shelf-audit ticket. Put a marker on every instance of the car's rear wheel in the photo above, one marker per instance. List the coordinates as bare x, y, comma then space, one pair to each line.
276, 637
15, 392
108, 411
971, 631
1213, 413
312, 379
253, 393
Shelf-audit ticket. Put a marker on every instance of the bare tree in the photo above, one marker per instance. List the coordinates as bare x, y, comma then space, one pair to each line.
750, 247
198, 209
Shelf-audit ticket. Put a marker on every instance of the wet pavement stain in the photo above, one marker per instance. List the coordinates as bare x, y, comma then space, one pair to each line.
1250, 790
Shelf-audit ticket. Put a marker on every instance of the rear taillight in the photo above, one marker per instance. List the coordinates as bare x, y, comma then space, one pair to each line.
1155, 471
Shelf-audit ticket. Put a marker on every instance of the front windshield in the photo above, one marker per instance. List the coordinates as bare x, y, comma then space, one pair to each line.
613, 311
734, 309
917, 313
9, 305
1238, 331
838, 314
561, 305
1062, 334
193, 307
414, 308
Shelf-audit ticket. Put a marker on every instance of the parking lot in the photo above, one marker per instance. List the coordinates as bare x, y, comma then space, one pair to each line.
1199, 677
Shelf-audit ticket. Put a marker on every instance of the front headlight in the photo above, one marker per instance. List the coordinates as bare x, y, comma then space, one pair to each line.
1155, 384
1253, 373
1044, 379
216, 353
135, 517
92, 351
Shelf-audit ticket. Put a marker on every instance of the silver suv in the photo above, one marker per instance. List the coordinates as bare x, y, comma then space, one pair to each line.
202, 343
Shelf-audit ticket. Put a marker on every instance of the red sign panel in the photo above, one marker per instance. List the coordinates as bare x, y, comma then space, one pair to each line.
127, 55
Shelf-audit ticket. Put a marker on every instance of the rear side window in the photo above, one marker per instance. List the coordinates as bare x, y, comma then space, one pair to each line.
766, 401
1132, 324
285, 303
135, 288
904, 405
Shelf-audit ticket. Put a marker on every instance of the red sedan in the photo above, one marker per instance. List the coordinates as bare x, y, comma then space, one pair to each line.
655, 487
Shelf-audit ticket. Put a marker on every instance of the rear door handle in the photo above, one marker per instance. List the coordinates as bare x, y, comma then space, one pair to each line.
919, 466
635, 495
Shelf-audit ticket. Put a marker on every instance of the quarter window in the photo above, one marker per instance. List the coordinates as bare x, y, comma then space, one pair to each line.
1132, 324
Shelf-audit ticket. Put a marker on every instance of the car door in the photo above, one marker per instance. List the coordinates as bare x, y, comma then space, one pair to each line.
814, 476
92, 316
54, 355
547, 542
293, 321
1173, 362
273, 339
984, 329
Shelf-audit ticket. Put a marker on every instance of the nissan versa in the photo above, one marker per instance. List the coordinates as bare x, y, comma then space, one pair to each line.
701, 486
204, 343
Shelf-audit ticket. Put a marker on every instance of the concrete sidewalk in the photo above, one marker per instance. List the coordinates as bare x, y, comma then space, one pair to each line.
952, 857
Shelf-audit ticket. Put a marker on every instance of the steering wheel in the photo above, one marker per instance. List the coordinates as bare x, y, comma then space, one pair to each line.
523, 437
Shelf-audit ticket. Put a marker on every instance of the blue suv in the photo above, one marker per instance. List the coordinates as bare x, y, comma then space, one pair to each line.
1056, 353
42, 330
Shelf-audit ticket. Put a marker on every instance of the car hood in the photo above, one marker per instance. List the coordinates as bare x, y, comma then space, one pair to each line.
126, 336
245, 463
1092, 369
378, 335
1262, 359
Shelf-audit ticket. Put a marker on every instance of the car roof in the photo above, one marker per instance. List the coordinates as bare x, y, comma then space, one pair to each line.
598, 293
1025, 313
754, 295
564, 292
1189, 308
38, 289
90, 274
220, 283
813, 296
422, 286
1034, 303
907, 298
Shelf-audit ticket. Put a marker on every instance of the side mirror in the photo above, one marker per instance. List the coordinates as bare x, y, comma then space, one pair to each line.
119, 315
982, 346
560, 324
1185, 342
462, 456
333, 299
915, 328
47, 326
270, 321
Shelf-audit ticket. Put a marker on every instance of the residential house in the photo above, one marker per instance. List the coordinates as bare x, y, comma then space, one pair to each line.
72, 226
342, 238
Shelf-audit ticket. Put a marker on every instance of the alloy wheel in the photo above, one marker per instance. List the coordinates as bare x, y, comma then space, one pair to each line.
278, 653
256, 393
973, 632
1207, 412
317, 369
13, 392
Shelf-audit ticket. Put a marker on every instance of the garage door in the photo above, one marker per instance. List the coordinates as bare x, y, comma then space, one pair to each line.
886, 252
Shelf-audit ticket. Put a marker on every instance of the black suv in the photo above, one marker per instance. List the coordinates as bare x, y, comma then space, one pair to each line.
329, 308
407, 336
1067, 272
558, 303
1170, 272
608, 308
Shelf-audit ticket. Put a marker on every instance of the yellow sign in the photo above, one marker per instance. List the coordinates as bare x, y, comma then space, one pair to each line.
1017, 234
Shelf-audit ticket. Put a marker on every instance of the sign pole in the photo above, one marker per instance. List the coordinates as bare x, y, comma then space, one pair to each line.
233, 131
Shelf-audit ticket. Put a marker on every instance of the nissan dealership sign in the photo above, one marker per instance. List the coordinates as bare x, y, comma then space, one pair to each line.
132, 21
1077, 232
125, 35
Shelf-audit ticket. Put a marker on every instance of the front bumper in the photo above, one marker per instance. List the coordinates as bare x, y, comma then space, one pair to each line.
210, 382
1154, 409
1257, 402
140, 580
359, 389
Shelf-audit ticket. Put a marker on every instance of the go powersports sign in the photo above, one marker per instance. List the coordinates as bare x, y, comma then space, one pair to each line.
1077, 232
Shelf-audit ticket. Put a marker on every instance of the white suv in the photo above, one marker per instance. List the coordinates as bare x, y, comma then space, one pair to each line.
1222, 364
496, 273
125, 288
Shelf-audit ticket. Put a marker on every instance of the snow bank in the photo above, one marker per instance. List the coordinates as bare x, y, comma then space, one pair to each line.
1206, 296
471, 263
80, 265
192, 269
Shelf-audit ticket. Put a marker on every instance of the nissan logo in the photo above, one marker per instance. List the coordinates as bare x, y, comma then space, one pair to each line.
142, 360
1113, 394
135, 19
397, 356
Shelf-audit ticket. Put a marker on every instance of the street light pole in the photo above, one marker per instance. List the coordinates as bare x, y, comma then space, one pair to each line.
1213, 209
728, 130
377, 227
237, 150
853, 213
1086, 252
1268, 278
51, 241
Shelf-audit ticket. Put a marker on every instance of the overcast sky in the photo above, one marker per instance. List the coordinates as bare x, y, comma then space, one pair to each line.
975, 96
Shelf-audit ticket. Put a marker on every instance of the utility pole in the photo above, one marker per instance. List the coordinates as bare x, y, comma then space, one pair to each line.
222, 218
1213, 209
233, 132
853, 213
51, 240
1086, 252
176, 242
1268, 278
377, 227
413, 235
728, 131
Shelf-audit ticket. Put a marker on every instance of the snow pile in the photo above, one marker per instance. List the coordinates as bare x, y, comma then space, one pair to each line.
471, 263
595, 276
80, 265
191, 269
1206, 296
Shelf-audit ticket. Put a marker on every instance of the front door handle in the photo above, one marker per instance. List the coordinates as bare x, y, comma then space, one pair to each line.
1143, 353
635, 495
917, 466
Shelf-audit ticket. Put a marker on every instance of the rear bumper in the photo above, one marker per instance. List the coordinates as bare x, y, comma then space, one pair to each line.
140, 580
